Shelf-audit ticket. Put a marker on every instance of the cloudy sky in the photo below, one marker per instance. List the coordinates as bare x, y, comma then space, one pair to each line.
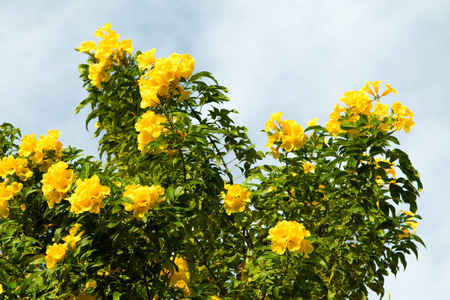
297, 57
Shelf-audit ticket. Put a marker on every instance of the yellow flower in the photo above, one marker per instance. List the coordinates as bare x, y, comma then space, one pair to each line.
97, 74
146, 60
88, 196
164, 77
358, 101
408, 124
50, 141
73, 238
4, 208
388, 90
7, 166
126, 46
410, 223
180, 279
91, 284
367, 89
290, 235
379, 180
8, 192
87, 47
22, 169
381, 109
108, 52
55, 253
47, 149
403, 117
312, 122
143, 197
333, 127
27, 145
150, 128
288, 132
235, 198
57, 182
275, 117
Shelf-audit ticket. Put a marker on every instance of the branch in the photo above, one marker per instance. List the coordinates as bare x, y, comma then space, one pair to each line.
206, 265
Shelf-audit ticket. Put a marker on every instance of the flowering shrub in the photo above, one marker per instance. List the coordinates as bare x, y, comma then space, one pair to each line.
180, 205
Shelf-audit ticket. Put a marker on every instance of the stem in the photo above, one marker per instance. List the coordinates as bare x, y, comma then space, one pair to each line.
206, 265
172, 127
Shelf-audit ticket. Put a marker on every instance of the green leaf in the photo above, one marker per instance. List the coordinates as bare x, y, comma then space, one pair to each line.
85, 171
116, 295
348, 126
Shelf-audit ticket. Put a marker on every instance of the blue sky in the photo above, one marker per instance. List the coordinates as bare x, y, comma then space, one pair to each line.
297, 57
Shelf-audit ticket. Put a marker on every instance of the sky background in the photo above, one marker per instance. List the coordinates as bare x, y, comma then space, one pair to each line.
298, 57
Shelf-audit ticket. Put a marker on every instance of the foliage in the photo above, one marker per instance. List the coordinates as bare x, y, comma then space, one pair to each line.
182, 206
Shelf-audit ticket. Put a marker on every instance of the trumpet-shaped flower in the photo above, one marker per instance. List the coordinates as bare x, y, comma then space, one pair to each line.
165, 76
146, 59
57, 182
87, 47
7, 192
289, 135
388, 90
27, 145
7, 166
235, 198
73, 238
290, 235
150, 128
144, 198
55, 253
179, 279
88, 195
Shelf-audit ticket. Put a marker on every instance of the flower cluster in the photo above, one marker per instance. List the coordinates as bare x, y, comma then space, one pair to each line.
144, 198
291, 235
88, 195
235, 198
150, 128
9, 165
403, 117
57, 252
32, 152
164, 77
410, 223
42, 152
289, 135
57, 182
160, 78
359, 103
7, 192
108, 51
180, 279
